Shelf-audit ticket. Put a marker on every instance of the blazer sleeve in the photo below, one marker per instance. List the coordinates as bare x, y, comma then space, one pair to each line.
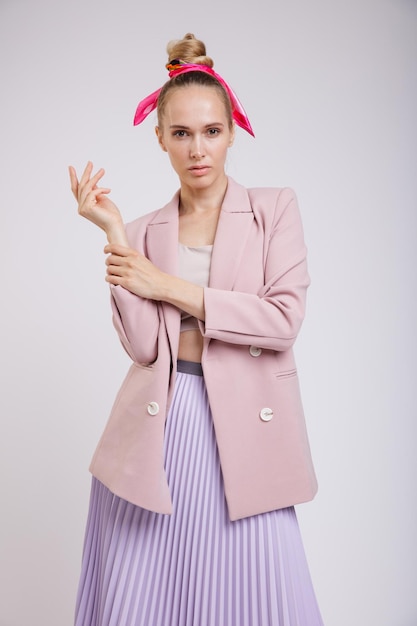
272, 317
135, 319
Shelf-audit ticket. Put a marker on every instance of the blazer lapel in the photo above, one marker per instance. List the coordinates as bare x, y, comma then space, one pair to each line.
233, 229
162, 237
162, 250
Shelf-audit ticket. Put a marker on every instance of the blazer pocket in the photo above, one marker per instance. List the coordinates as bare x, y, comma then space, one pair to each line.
286, 374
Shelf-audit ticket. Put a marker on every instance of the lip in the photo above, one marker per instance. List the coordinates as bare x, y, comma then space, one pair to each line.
199, 170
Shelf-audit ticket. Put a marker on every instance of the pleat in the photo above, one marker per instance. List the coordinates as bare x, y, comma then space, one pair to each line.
194, 567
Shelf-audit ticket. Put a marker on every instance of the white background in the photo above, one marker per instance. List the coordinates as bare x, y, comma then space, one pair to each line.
331, 90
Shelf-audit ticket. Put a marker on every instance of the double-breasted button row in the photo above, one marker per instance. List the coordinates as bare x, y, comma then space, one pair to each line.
153, 408
266, 414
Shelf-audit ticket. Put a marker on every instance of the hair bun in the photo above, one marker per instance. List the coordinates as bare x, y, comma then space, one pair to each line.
190, 50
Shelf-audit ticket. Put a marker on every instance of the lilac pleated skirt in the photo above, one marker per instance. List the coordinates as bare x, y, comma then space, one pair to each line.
194, 567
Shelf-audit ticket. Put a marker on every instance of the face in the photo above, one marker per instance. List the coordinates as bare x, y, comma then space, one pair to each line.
196, 135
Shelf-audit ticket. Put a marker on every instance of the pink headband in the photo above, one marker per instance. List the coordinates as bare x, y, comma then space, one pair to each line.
148, 104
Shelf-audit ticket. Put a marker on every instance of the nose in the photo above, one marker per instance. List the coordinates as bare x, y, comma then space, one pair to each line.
196, 149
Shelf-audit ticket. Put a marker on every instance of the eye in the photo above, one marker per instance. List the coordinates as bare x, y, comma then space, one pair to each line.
212, 132
179, 133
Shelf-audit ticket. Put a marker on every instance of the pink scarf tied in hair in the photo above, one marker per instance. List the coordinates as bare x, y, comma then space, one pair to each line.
149, 104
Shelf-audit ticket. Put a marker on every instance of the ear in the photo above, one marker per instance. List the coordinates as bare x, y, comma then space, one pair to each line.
232, 135
158, 133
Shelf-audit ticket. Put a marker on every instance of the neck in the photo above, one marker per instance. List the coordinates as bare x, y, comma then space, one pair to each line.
202, 200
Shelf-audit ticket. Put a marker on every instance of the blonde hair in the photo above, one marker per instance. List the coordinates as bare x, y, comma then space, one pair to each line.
191, 50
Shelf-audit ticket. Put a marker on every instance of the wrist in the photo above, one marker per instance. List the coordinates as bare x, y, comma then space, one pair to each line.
184, 295
116, 234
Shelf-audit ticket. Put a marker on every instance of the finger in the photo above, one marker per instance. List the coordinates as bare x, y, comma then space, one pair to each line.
101, 191
115, 248
113, 259
90, 185
86, 179
116, 270
96, 193
82, 189
114, 280
87, 203
74, 181
85, 176
97, 177
90, 192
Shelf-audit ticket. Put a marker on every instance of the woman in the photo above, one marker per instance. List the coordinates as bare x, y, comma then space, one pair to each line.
205, 453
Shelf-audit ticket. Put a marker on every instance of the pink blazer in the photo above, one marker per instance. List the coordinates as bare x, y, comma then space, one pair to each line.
254, 307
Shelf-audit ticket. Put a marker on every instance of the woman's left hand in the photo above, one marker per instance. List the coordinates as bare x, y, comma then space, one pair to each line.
133, 271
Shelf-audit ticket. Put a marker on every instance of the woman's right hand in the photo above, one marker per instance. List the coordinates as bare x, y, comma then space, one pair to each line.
94, 205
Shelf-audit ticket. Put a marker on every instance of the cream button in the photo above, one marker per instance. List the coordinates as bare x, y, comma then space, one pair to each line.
153, 408
255, 351
266, 414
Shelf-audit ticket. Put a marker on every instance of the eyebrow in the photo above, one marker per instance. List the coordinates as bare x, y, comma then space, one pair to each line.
182, 127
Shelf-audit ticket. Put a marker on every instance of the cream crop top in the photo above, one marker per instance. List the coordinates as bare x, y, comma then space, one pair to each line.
193, 266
